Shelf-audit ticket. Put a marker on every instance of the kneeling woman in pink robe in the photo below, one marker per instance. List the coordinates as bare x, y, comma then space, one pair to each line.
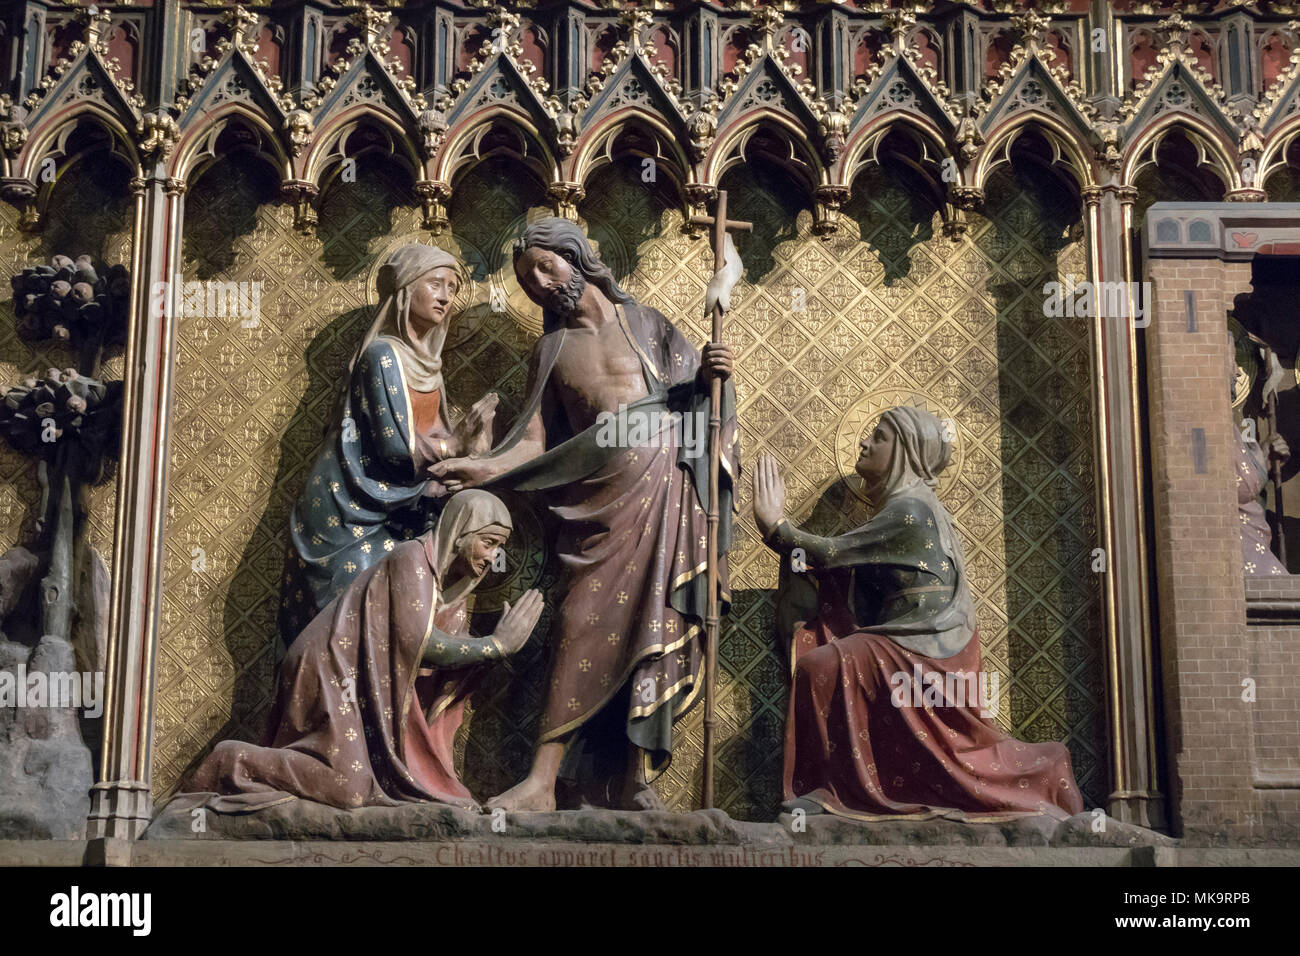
894, 610
355, 723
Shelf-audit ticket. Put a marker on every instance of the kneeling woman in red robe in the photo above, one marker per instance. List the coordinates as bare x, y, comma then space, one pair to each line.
894, 611
355, 724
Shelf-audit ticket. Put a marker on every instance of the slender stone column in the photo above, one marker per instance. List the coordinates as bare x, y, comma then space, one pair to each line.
121, 800
1135, 790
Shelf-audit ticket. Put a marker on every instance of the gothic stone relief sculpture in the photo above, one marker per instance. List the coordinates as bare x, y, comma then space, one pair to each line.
888, 711
610, 435
372, 692
370, 487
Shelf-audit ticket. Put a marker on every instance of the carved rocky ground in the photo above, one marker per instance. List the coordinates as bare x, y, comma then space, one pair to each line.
301, 820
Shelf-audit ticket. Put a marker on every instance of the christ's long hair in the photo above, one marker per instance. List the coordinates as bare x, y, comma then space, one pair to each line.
565, 238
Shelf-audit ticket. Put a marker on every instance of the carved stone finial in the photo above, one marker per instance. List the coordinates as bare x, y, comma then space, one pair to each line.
765, 21
1173, 30
157, 133
96, 26
898, 23
635, 22
1030, 27
372, 24
505, 27
243, 25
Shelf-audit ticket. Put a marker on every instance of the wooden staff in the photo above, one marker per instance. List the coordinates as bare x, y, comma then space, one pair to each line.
720, 225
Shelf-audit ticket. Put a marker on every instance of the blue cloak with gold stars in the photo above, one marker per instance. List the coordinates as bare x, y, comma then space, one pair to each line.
364, 494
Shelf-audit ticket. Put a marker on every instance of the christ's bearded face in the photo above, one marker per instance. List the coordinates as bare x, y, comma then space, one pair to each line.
550, 281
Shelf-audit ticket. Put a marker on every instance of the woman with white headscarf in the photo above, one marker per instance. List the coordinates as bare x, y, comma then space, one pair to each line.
369, 488
371, 693
889, 707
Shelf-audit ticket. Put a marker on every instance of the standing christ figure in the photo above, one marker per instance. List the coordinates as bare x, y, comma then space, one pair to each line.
614, 434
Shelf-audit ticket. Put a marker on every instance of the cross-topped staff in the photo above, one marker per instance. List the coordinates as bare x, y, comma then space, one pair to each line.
720, 224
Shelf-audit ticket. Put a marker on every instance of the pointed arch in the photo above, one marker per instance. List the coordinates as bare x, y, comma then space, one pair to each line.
464, 146
729, 149
197, 147
1033, 93
598, 146
329, 145
1277, 147
1141, 151
865, 139
1070, 151
50, 138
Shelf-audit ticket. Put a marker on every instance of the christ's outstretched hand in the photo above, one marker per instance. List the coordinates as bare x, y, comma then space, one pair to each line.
457, 474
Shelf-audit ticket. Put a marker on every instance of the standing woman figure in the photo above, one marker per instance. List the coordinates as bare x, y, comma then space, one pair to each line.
369, 488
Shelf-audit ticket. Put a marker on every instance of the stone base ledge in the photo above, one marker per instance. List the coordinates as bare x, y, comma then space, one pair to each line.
189, 831
487, 853
201, 817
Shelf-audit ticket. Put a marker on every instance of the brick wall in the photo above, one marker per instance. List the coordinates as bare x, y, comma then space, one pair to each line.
1206, 650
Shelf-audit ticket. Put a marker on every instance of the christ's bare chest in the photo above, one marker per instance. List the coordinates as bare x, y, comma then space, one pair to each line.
596, 371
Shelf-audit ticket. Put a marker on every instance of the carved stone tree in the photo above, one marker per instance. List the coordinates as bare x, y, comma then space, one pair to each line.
54, 588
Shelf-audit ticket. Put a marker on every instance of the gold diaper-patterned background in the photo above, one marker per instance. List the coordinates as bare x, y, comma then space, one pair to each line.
827, 333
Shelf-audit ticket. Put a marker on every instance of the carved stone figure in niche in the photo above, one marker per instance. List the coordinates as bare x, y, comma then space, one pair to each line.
885, 715
371, 693
1255, 463
370, 488
614, 433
